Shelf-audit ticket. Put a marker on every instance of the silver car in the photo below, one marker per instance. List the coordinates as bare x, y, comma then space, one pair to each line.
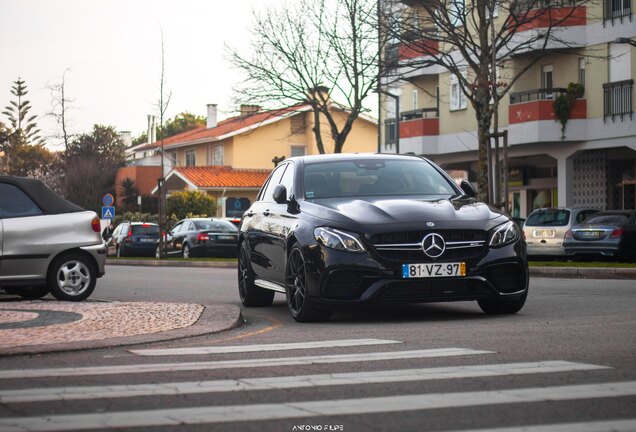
47, 244
545, 228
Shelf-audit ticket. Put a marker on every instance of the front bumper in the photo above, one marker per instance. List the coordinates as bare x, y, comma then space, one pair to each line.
337, 277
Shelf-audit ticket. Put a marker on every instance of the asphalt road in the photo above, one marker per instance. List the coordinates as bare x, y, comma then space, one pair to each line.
575, 339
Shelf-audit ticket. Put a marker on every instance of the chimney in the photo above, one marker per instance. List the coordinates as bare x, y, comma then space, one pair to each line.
249, 109
211, 116
154, 129
149, 131
126, 138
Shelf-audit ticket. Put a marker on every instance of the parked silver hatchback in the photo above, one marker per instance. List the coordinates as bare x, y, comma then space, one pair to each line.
47, 244
545, 228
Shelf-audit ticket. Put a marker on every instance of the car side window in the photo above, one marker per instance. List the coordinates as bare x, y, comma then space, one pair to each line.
15, 203
175, 229
273, 181
288, 179
189, 226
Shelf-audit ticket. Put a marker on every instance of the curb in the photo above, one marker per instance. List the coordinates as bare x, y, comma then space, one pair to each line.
544, 272
214, 319
168, 263
584, 272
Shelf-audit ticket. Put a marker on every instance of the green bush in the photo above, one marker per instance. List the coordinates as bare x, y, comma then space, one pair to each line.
190, 203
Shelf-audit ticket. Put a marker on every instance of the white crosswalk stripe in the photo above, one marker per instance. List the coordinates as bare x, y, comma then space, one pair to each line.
289, 382
260, 412
262, 347
235, 364
293, 406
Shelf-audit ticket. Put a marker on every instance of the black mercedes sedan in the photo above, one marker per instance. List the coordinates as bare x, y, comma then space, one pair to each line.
333, 231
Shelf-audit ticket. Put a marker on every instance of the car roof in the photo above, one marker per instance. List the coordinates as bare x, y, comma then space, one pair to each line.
45, 198
333, 157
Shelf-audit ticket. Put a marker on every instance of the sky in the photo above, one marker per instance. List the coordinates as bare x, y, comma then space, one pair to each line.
112, 51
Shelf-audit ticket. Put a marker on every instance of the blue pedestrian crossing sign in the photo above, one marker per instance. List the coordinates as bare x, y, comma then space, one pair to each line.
108, 212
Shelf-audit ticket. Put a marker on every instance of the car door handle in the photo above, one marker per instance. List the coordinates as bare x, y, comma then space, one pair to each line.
249, 214
266, 213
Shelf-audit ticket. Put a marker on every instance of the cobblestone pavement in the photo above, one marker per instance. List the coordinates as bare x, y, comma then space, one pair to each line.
49, 325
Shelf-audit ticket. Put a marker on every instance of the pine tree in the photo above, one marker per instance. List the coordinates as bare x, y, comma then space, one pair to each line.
18, 114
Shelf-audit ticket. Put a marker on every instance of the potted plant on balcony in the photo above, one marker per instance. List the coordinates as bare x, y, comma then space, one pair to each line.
563, 104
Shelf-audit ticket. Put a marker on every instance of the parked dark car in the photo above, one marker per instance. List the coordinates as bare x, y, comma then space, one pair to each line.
134, 239
199, 237
608, 233
47, 244
340, 230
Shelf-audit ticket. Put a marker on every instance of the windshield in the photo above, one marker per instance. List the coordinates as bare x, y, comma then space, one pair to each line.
215, 225
607, 219
374, 177
145, 230
549, 217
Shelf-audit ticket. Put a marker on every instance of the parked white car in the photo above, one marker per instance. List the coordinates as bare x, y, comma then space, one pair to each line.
47, 244
545, 228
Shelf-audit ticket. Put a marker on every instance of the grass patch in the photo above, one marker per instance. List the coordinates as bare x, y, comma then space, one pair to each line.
581, 264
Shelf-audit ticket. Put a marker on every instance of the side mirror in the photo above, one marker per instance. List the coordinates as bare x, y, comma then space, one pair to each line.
468, 188
280, 194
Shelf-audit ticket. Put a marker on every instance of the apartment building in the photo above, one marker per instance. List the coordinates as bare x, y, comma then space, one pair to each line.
591, 163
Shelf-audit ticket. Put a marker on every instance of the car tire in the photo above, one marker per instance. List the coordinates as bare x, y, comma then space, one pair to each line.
72, 277
300, 306
502, 306
32, 292
186, 252
250, 294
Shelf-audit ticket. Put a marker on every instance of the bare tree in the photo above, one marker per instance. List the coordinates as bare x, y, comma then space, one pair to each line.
61, 105
313, 52
477, 42
162, 106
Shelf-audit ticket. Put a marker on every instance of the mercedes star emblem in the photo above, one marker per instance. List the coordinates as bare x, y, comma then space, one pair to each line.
433, 245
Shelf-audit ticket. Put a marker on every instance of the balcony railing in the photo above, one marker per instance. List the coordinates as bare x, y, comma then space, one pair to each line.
536, 94
617, 10
617, 99
419, 114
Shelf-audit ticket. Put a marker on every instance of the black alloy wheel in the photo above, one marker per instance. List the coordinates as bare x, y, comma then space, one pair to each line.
250, 294
301, 307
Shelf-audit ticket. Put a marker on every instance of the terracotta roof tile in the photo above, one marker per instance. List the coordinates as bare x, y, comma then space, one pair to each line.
223, 177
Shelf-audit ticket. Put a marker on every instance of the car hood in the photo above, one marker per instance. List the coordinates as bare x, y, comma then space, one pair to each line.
390, 211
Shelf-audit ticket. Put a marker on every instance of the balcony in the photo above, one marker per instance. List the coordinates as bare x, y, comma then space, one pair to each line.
617, 10
562, 13
535, 105
617, 100
420, 122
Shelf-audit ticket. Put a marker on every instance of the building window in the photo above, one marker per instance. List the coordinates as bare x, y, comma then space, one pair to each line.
217, 155
546, 81
617, 99
415, 99
617, 9
190, 157
457, 96
582, 72
390, 132
173, 158
297, 151
457, 12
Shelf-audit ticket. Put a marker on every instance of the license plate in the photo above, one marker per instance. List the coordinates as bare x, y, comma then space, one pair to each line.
589, 234
549, 233
146, 240
433, 270
225, 237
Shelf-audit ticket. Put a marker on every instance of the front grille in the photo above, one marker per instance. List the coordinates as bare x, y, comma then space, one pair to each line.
406, 246
507, 278
428, 290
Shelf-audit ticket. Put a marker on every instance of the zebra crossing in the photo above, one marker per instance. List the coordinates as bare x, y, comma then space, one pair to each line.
303, 409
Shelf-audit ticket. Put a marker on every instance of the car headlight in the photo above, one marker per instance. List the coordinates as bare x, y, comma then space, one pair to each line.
504, 234
338, 239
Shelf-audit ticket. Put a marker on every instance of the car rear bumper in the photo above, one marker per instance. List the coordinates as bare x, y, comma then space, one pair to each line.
98, 252
229, 249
